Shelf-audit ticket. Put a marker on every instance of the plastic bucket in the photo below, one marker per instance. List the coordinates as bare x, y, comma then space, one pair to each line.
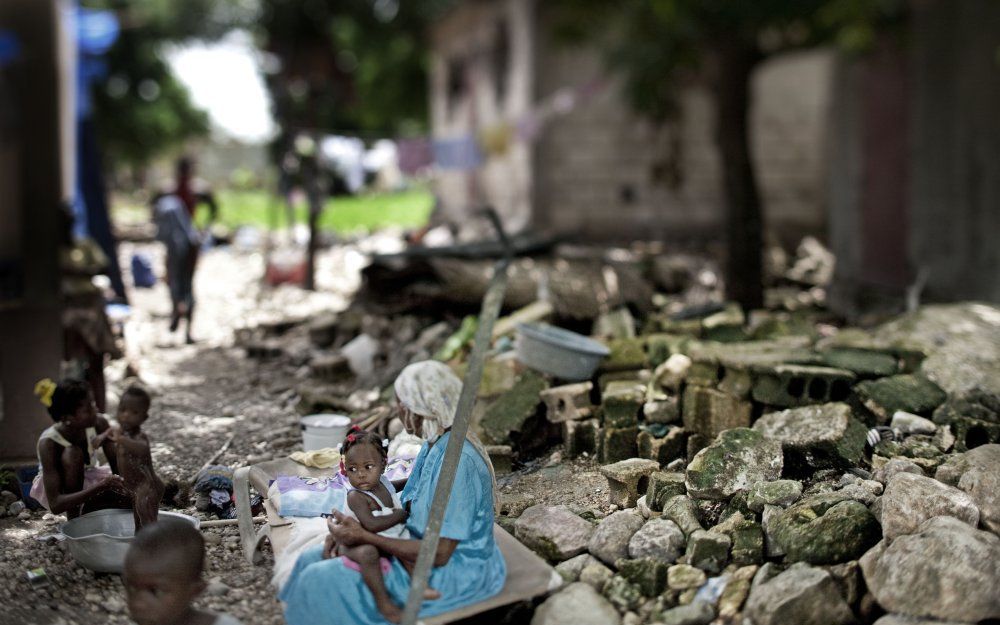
558, 352
324, 430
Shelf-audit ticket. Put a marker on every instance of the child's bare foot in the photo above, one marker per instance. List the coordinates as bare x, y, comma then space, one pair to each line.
431, 594
390, 611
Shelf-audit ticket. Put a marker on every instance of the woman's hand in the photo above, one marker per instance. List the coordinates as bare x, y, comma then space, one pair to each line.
346, 530
329, 547
114, 483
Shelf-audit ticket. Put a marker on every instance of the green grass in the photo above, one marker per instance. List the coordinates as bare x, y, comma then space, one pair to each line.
343, 215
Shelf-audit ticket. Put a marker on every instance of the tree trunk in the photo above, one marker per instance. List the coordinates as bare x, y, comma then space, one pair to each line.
315, 207
744, 221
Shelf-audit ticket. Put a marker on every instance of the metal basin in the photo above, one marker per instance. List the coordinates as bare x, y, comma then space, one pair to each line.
559, 352
98, 540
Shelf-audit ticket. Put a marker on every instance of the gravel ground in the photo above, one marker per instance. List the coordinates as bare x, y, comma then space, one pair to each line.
205, 394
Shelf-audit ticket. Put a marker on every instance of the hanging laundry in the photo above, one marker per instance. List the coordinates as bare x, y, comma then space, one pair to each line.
496, 140
414, 155
461, 154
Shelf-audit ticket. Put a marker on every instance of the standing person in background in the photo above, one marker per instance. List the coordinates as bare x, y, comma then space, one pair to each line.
174, 215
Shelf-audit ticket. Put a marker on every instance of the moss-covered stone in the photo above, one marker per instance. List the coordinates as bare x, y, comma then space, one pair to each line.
708, 412
649, 575
511, 410
709, 551
703, 373
909, 393
777, 493
736, 460
664, 449
663, 487
622, 402
825, 529
682, 511
685, 576
748, 543
660, 346
821, 436
622, 593
618, 444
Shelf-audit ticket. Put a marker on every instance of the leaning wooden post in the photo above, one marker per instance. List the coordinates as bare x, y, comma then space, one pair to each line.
470, 386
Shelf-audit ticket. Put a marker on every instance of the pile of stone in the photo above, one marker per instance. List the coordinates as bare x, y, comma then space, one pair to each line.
745, 484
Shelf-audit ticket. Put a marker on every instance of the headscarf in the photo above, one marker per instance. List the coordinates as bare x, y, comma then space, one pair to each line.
431, 389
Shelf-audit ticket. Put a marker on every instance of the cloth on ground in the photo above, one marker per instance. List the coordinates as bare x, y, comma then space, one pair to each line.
325, 458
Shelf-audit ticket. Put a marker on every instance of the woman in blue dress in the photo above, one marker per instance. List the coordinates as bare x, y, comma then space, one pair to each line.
468, 566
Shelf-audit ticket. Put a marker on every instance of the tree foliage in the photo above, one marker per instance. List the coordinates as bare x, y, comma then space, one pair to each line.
140, 108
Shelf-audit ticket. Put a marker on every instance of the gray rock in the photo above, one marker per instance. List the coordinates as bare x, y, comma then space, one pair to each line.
553, 532
660, 539
894, 466
910, 499
570, 569
684, 576
824, 529
611, 538
682, 511
909, 423
802, 595
955, 467
822, 435
216, 588
946, 570
777, 493
595, 574
983, 485
899, 619
736, 460
577, 604
772, 548
695, 613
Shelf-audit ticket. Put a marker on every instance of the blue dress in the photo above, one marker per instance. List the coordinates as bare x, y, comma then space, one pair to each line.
325, 592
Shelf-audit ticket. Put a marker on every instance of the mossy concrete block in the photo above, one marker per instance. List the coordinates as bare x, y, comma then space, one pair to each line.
648, 575
863, 363
569, 402
509, 413
502, 458
704, 373
736, 460
737, 382
786, 386
909, 393
748, 543
626, 355
709, 551
500, 375
581, 437
622, 402
709, 412
618, 444
661, 346
777, 493
825, 529
664, 449
819, 436
628, 479
664, 486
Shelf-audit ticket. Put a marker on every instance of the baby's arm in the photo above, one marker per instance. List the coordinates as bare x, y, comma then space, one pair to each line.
360, 505
138, 446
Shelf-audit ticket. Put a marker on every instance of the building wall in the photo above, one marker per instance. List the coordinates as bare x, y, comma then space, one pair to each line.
475, 86
607, 173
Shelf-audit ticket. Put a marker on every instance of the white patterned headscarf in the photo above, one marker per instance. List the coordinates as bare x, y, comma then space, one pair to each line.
431, 389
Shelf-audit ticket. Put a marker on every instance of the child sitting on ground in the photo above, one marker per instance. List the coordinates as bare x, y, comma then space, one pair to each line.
135, 462
71, 479
373, 501
163, 575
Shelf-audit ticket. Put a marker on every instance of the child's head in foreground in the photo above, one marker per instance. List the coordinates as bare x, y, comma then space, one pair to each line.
133, 408
363, 458
163, 572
